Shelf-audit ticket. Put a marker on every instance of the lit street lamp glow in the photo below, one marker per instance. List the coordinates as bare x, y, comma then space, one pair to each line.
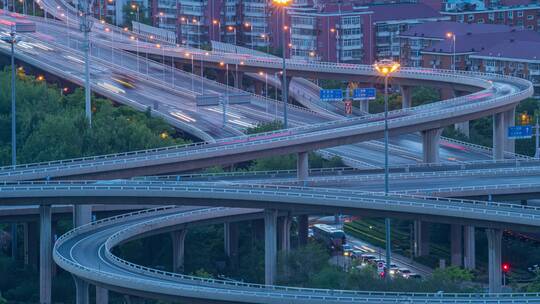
284, 93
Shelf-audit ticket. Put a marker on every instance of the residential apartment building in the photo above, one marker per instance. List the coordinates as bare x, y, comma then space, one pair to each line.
523, 14
478, 47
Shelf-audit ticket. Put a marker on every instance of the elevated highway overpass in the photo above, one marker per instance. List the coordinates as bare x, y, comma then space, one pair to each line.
86, 252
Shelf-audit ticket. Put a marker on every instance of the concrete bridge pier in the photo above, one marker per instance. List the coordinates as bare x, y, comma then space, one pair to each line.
469, 241
178, 237
430, 145
45, 257
284, 232
302, 165
270, 246
82, 215
258, 86
81, 291
238, 79
406, 97
499, 136
230, 235
510, 120
456, 248
102, 295
14, 241
421, 238
303, 225
494, 237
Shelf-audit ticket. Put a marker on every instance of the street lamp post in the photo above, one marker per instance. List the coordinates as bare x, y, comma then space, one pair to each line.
336, 31
12, 39
284, 92
250, 26
453, 37
85, 27
385, 68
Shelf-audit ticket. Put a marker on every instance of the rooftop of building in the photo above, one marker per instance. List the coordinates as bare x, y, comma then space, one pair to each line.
403, 11
439, 29
522, 50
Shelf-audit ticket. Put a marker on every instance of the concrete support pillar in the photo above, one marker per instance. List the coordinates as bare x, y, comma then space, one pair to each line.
231, 242
102, 295
222, 77
259, 88
270, 246
456, 236
288, 84
510, 120
494, 237
303, 226
364, 106
430, 145
421, 238
178, 237
284, 229
302, 165
25, 244
469, 241
238, 79
81, 291
406, 97
14, 242
33, 243
45, 257
499, 136
82, 215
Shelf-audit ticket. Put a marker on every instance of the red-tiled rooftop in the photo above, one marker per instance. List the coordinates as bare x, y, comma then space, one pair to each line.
524, 50
403, 11
438, 29
472, 43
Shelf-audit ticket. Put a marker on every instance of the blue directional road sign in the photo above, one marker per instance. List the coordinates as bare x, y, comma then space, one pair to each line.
333, 94
364, 93
519, 132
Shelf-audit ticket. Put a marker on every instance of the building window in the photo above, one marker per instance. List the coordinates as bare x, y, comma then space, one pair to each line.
530, 27
481, 20
350, 20
470, 17
530, 17
491, 16
520, 13
510, 14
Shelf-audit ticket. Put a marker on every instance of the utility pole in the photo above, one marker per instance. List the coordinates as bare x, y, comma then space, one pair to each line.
85, 27
537, 133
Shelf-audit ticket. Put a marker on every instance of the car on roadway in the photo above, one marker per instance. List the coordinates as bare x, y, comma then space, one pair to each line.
347, 249
356, 254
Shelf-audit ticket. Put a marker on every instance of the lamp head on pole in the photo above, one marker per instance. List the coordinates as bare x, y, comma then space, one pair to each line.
281, 2
386, 66
450, 35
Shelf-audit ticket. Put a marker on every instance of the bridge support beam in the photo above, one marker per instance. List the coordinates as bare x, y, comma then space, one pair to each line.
406, 96
82, 215
469, 241
81, 291
463, 128
499, 144
510, 120
430, 145
270, 246
494, 237
302, 165
421, 238
102, 295
238, 79
288, 85
178, 237
230, 235
303, 226
456, 236
45, 257
285, 233
14, 241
